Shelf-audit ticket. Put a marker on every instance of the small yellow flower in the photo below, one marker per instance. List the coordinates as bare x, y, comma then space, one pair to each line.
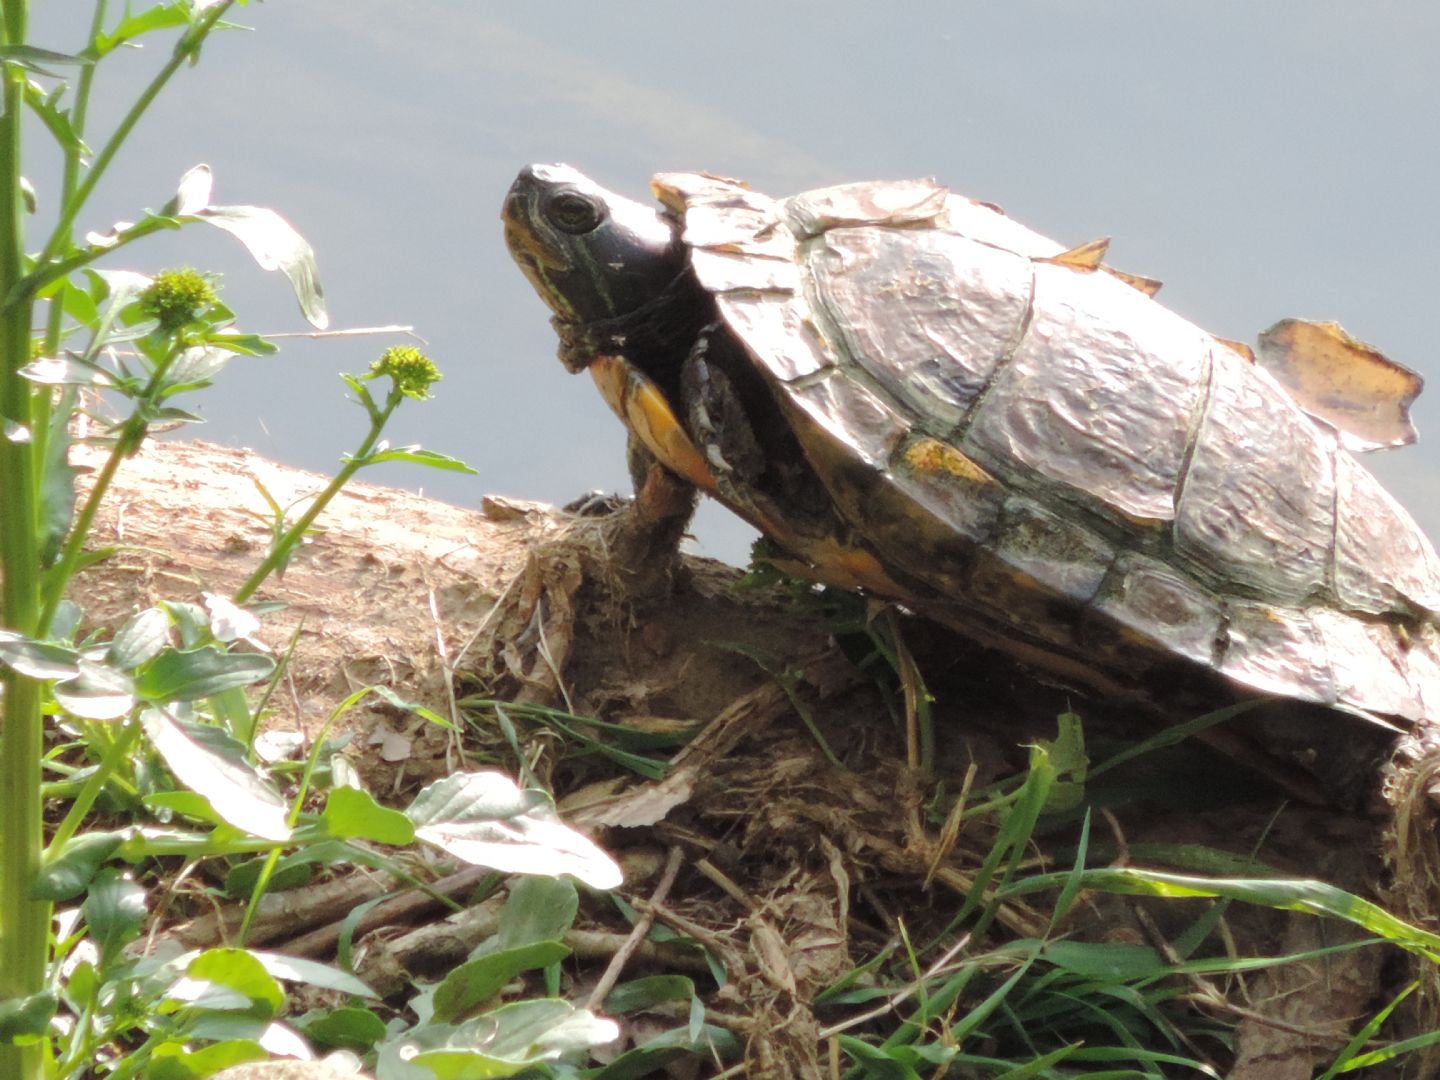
411, 369
176, 297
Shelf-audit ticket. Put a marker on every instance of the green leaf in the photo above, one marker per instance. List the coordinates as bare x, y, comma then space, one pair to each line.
37, 659
235, 970
175, 1061
187, 676
78, 304
66, 622
114, 911
1315, 897
486, 820
475, 982
163, 16
240, 880
236, 791
312, 973
349, 1028
244, 344
416, 456
1113, 960
415, 707
275, 245
66, 873
193, 369
140, 639
28, 1018
1175, 734
191, 620
513, 1037
538, 909
647, 992
56, 120
189, 804
96, 692
648, 1059
351, 813
172, 417
881, 1064
31, 57
80, 985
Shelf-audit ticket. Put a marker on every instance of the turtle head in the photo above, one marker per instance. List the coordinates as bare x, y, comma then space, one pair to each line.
594, 257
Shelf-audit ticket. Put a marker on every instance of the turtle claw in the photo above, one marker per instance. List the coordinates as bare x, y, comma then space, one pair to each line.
597, 503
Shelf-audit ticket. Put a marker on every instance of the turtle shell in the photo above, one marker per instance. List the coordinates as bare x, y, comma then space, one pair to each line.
1023, 445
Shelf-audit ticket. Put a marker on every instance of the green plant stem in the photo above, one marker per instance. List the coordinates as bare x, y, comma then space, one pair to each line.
262, 880
280, 550
131, 436
70, 174
24, 922
60, 574
59, 239
95, 783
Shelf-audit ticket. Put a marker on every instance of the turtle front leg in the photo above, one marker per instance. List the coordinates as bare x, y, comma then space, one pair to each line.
643, 539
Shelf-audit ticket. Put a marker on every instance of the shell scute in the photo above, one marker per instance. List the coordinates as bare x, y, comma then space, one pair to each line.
1098, 396
928, 315
1156, 602
1058, 552
1257, 505
896, 202
1382, 560
1279, 650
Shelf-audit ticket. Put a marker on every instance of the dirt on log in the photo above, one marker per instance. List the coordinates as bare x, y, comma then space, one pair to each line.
808, 835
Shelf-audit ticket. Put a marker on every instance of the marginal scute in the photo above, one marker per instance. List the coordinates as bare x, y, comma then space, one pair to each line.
986, 224
722, 271
1383, 562
1277, 650
851, 417
929, 315
738, 229
947, 485
1098, 395
1370, 664
775, 330
681, 192
899, 202
1058, 552
1257, 505
1156, 602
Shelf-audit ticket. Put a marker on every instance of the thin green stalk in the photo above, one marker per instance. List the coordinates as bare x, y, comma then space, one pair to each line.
280, 550
24, 922
131, 436
262, 881
70, 173
60, 574
114, 754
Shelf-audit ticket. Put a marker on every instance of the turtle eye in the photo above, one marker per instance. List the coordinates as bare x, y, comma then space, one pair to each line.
571, 212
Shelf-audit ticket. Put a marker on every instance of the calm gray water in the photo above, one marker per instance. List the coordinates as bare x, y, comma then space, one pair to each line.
1263, 160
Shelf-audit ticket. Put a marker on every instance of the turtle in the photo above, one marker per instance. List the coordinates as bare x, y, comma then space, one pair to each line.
914, 396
